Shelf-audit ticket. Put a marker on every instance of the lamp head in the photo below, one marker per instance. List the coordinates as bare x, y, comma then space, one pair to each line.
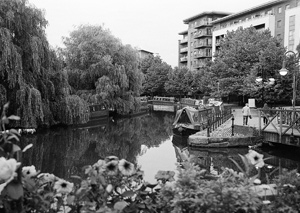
259, 79
283, 71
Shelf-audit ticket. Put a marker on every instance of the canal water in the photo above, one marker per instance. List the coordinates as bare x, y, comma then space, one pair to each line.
145, 140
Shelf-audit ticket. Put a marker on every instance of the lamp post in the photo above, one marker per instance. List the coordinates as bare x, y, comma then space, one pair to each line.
262, 80
283, 71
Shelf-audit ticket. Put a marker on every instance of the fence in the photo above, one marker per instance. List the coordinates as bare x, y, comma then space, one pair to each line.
217, 119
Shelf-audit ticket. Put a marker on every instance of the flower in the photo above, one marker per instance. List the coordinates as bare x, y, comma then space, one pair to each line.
111, 158
255, 158
109, 188
112, 167
125, 167
100, 165
29, 171
63, 186
46, 178
7, 168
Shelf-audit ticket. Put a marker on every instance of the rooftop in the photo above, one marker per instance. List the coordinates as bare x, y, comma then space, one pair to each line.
261, 6
186, 21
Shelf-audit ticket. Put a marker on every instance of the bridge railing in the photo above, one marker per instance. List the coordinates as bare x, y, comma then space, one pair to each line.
217, 119
285, 121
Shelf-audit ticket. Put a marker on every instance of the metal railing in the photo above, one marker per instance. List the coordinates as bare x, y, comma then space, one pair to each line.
217, 119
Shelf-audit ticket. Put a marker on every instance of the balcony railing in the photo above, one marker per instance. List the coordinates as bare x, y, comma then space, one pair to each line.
185, 49
185, 40
198, 35
203, 44
182, 59
202, 55
202, 24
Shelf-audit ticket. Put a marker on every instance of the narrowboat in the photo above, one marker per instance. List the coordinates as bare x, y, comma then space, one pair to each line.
189, 120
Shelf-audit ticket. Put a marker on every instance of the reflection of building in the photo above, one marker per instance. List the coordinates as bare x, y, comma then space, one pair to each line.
196, 44
142, 54
281, 17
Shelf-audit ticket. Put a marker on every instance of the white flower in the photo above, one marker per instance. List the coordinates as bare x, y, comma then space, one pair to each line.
100, 166
7, 168
112, 167
266, 202
257, 181
109, 188
29, 171
125, 167
46, 178
63, 186
7, 171
255, 158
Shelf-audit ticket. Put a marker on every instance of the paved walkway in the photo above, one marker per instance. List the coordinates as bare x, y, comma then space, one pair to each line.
238, 117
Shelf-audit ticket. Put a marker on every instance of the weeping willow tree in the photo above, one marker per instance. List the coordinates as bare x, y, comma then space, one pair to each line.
30, 73
101, 69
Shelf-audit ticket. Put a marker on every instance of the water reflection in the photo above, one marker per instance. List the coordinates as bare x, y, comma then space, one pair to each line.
64, 151
213, 159
145, 140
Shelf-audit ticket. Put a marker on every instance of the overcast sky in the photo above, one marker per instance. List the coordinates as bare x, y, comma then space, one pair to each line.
152, 25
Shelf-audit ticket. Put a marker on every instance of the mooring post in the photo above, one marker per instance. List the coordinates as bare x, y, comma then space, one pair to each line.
208, 127
232, 125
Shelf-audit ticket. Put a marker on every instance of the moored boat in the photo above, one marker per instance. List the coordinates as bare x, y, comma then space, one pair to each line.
189, 120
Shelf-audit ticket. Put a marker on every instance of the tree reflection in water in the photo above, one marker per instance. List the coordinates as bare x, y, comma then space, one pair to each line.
64, 151
213, 159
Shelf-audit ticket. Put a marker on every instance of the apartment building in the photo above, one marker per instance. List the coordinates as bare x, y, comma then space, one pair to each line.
281, 17
195, 47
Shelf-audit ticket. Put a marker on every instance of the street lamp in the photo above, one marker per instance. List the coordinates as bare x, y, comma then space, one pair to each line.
283, 71
260, 79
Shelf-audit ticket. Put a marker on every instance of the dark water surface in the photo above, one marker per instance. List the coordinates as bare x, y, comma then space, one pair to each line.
146, 140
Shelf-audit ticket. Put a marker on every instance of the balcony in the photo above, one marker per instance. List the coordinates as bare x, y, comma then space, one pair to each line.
185, 49
202, 45
202, 34
183, 41
202, 55
203, 24
198, 65
183, 59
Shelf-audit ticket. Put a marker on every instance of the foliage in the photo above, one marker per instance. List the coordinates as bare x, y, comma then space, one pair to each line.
29, 69
156, 74
244, 54
99, 64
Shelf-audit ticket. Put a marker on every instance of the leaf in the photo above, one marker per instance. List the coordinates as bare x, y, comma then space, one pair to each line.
13, 136
237, 165
14, 131
14, 190
76, 177
120, 205
27, 147
14, 117
70, 199
128, 194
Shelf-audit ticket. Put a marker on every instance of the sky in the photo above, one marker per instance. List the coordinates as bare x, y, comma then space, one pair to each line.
151, 25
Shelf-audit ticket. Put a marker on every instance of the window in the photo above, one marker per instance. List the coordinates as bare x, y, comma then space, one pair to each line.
279, 36
279, 9
291, 38
279, 24
287, 6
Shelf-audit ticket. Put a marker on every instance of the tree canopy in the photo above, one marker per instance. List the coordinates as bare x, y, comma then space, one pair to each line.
101, 69
30, 70
243, 55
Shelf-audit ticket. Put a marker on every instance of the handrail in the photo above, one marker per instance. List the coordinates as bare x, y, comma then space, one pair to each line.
217, 119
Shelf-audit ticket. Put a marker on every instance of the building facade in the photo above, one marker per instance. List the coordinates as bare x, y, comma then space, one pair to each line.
281, 17
195, 47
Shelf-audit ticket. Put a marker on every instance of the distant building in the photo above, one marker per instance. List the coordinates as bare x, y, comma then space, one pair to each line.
144, 54
281, 17
196, 45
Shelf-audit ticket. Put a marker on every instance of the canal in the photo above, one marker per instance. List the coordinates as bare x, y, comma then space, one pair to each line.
146, 140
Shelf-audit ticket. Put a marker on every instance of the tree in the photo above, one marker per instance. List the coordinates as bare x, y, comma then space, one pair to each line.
155, 76
244, 54
30, 70
102, 68
174, 85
